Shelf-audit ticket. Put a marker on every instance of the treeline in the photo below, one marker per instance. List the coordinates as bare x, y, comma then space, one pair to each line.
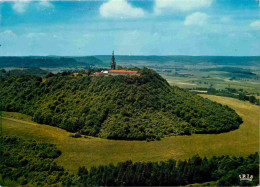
30, 163
48, 62
232, 92
225, 170
142, 107
4, 74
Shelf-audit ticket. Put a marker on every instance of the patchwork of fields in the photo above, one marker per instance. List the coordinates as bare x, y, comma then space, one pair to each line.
96, 151
215, 80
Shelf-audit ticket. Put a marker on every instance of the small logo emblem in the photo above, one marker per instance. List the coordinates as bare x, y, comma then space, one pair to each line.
246, 177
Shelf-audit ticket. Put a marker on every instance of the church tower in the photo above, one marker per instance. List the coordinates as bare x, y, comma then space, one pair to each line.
113, 63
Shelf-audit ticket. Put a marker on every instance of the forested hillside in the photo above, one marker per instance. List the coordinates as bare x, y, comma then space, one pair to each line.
33, 164
116, 107
20, 72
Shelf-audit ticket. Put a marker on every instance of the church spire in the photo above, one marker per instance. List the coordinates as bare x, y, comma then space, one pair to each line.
113, 63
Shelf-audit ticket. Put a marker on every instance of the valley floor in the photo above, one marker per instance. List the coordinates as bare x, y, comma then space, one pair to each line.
96, 151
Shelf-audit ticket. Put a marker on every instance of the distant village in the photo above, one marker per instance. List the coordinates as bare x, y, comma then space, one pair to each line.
113, 70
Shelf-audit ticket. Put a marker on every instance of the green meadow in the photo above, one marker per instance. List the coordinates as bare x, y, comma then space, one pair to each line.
217, 80
90, 151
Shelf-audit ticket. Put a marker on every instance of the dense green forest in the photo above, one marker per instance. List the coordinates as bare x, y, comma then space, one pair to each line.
22, 71
142, 107
31, 163
224, 169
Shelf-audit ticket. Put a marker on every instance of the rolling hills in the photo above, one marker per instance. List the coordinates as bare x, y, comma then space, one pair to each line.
48, 61
183, 59
142, 107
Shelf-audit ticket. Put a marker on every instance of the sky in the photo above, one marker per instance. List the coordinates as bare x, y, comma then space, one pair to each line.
130, 27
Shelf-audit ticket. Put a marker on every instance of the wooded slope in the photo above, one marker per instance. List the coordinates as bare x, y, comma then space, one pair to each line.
116, 107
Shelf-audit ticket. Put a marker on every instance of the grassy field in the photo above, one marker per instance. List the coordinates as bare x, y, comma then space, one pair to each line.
96, 151
218, 83
217, 80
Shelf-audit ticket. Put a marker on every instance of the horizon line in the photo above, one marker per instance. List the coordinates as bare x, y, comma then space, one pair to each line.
128, 55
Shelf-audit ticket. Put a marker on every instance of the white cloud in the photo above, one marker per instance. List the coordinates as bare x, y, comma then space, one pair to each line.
7, 34
197, 19
35, 35
225, 19
120, 9
45, 3
255, 24
162, 6
20, 6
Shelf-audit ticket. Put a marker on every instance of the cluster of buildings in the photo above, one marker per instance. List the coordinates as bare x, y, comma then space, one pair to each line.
113, 70
116, 72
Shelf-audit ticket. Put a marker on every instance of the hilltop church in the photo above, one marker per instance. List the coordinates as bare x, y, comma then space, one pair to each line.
113, 70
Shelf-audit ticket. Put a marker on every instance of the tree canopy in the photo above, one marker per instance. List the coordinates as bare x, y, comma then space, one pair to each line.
141, 107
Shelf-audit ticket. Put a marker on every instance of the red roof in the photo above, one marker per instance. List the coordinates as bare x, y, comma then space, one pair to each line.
97, 73
121, 71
